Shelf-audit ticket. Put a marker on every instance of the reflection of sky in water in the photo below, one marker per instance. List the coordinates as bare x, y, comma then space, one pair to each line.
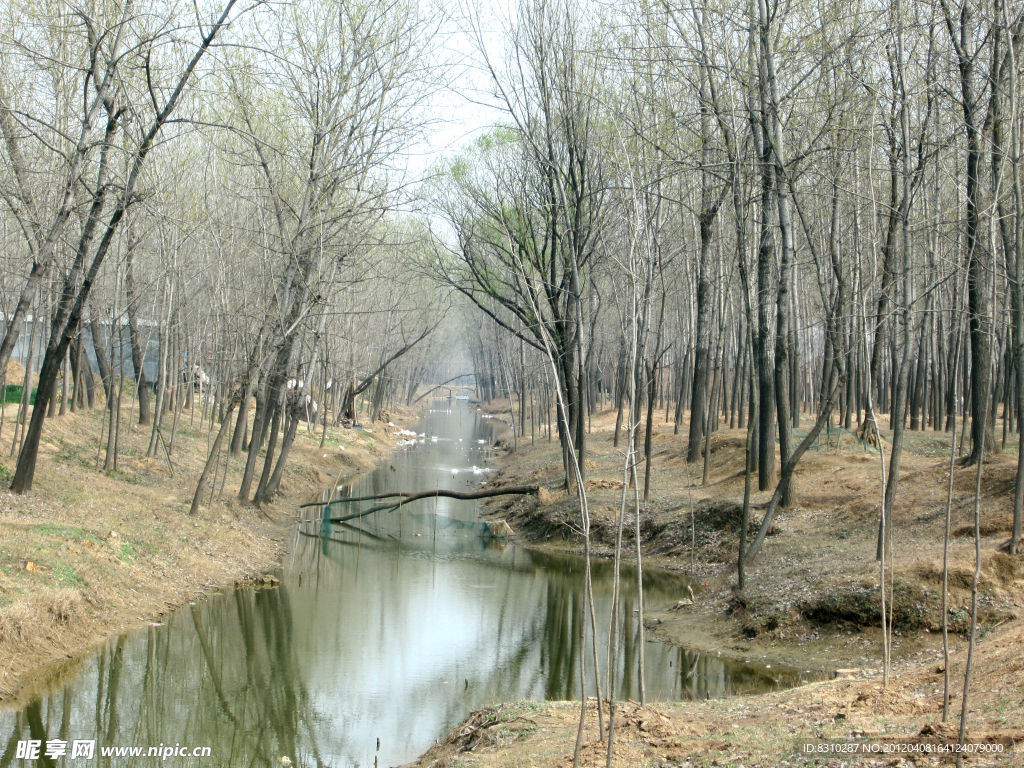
376, 632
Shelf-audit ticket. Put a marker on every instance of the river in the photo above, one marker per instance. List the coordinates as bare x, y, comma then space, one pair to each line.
383, 634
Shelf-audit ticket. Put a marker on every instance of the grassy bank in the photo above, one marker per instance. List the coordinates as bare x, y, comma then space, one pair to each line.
89, 554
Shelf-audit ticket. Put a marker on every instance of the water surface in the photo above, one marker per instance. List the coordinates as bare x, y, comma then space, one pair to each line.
384, 633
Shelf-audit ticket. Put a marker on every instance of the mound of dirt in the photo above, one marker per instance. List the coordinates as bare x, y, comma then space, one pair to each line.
911, 608
712, 528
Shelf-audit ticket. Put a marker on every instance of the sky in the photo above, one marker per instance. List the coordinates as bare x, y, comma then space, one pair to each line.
462, 111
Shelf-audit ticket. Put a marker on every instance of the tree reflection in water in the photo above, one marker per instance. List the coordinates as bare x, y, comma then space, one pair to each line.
223, 674
391, 627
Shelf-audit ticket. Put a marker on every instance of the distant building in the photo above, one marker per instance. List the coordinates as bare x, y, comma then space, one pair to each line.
149, 341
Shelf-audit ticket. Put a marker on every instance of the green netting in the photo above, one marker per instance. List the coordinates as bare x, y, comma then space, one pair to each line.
12, 394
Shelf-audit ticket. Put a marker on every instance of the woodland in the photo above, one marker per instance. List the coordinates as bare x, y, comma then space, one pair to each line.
784, 217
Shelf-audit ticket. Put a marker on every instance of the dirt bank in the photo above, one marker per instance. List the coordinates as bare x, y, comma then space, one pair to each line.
812, 596
811, 601
770, 730
89, 554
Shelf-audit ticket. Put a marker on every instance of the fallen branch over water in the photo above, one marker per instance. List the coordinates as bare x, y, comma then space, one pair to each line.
406, 497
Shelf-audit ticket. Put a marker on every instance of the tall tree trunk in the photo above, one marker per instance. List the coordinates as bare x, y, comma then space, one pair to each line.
702, 333
268, 462
211, 462
295, 408
101, 354
763, 360
978, 260
649, 433
898, 415
875, 373
699, 391
132, 308
1011, 231
775, 140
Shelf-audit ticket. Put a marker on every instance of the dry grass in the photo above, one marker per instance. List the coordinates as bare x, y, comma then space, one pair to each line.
767, 731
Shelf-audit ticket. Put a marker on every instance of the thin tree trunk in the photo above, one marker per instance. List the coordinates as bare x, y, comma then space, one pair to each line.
132, 308
211, 462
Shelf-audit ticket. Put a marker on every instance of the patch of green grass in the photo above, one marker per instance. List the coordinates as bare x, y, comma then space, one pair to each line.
127, 387
5, 474
74, 533
66, 575
126, 477
127, 552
